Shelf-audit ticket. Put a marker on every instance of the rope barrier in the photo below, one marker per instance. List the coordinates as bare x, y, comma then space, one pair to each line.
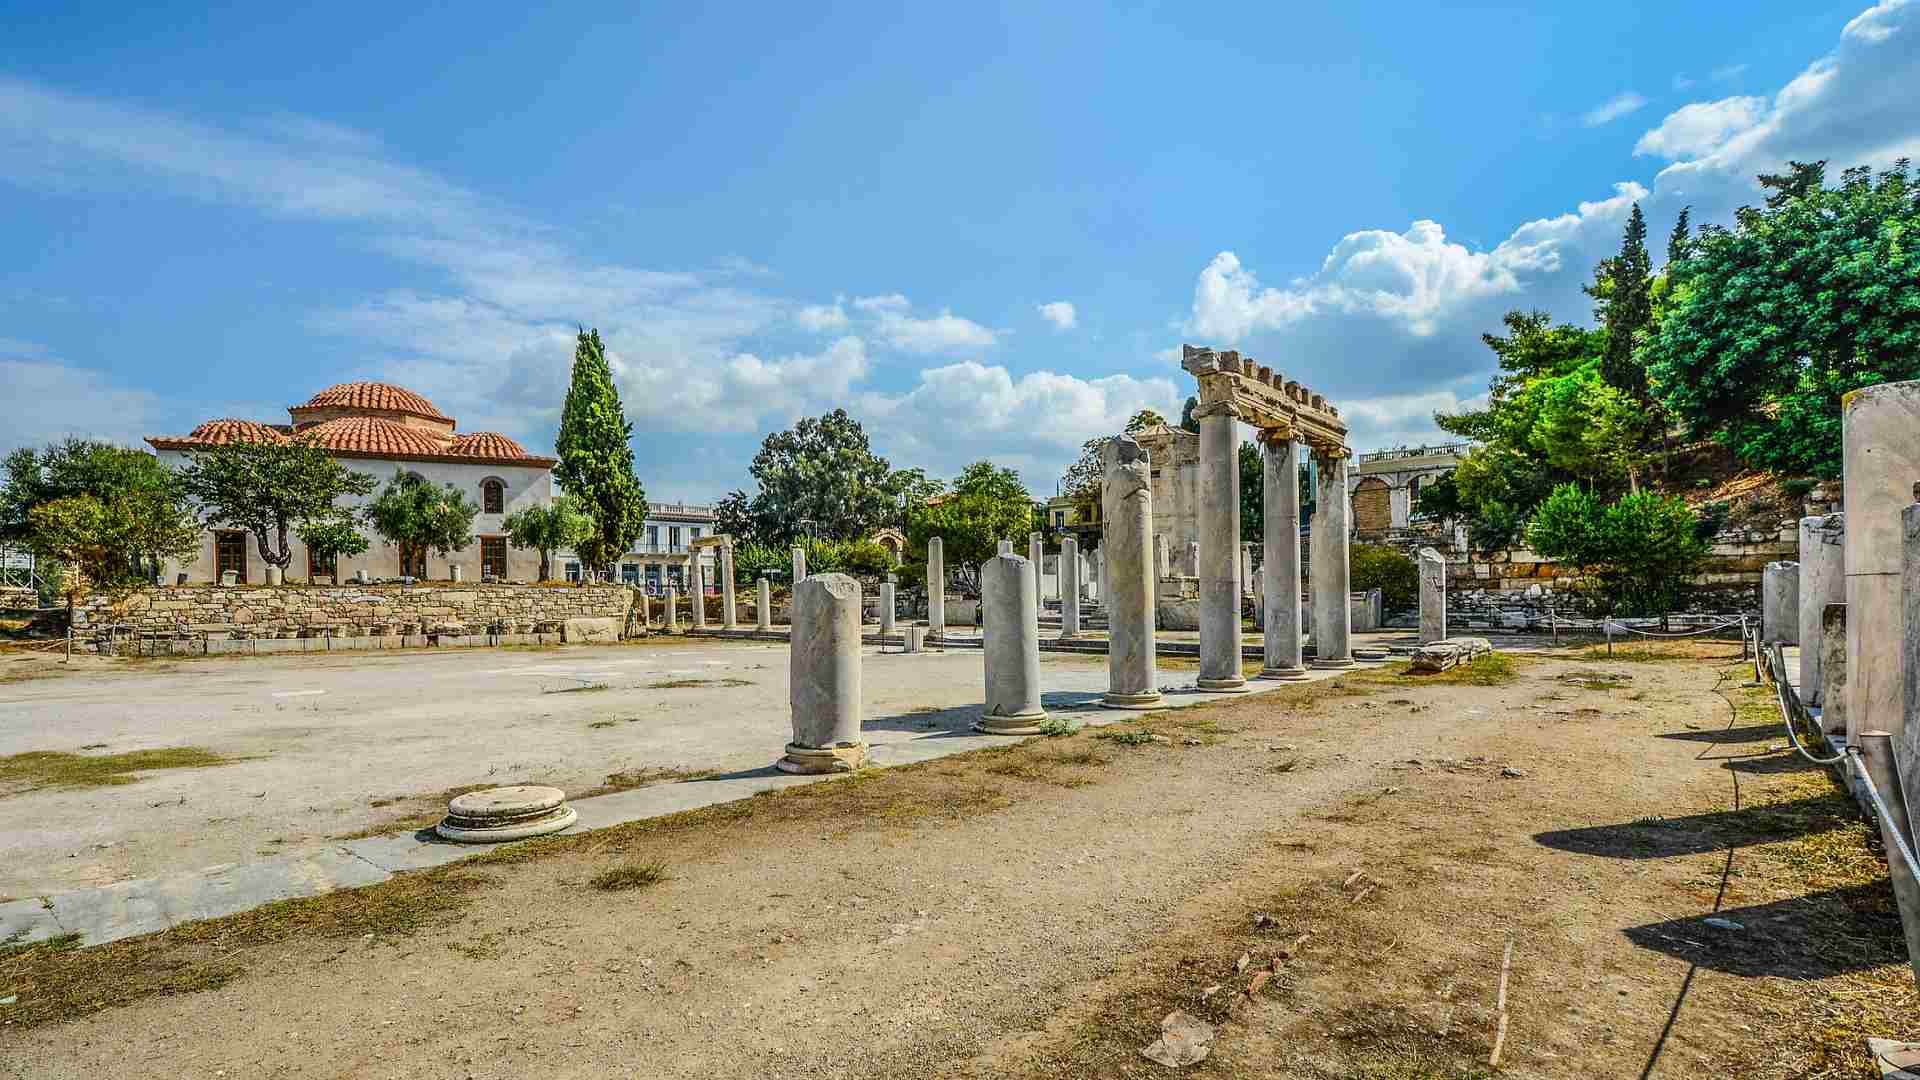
1771, 666
1880, 807
1656, 634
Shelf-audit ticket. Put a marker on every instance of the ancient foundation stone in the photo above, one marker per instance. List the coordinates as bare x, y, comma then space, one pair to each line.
1011, 641
1780, 603
1450, 652
493, 815
1823, 581
1127, 556
590, 631
825, 690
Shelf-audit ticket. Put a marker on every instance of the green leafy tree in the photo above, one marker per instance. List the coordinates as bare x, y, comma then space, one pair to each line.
860, 558
1626, 307
415, 516
1144, 419
822, 479
1253, 501
139, 505
329, 539
1680, 240
1377, 566
988, 504
1189, 422
557, 526
272, 490
1640, 551
596, 458
1773, 321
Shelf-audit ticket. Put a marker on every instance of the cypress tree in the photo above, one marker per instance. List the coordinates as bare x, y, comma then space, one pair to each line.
1680, 240
596, 461
1629, 308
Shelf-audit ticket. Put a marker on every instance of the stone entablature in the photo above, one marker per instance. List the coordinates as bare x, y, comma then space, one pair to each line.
349, 610
1262, 397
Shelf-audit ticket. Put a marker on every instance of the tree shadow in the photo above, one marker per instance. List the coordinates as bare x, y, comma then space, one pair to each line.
1695, 834
1815, 936
1777, 763
1750, 733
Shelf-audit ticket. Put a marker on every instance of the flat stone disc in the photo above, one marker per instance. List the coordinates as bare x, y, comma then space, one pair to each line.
466, 831
505, 803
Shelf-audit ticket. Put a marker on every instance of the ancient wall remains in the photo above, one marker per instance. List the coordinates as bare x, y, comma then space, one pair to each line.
349, 610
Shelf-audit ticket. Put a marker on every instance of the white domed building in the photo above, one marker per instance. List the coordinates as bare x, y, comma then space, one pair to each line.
380, 429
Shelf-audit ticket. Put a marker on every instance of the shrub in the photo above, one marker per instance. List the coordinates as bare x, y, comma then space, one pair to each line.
1640, 550
1376, 566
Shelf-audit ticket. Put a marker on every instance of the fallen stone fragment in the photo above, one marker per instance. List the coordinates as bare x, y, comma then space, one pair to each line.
1513, 773
1184, 1039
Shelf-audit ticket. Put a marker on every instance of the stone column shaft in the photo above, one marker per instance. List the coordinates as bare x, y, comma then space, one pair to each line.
1433, 596
697, 590
1280, 568
1036, 554
1823, 581
886, 607
824, 691
762, 605
1069, 587
936, 587
1833, 669
729, 616
1219, 523
672, 612
1332, 519
799, 564
1126, 558
1880, 436
1010, 638
1780, 603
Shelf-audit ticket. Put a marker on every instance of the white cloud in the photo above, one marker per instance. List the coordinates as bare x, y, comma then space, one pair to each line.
1613, 109
1061, 314
68, 400
821, 318
1877, 23
1035, 423
945, 332
1701, 128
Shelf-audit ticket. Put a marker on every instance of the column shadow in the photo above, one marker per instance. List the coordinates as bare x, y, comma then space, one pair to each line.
1694, 834
1815, 936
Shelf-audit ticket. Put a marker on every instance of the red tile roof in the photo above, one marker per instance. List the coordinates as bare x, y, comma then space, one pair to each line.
232, 430
373, 435
487, 444
374, 395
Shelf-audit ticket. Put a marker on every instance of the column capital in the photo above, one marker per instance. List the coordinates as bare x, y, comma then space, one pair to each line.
1274, 436
1217, 408
1329, 451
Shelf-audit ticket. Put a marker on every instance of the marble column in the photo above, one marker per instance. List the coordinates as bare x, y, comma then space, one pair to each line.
1246, 569
936, 587
1880, 437
1100, 569
1280, 567
886, 607
762, 605
1191, 567
672, 613
1833, 669
1004, 547
1332, 518
1823, 581
1133, 679
1069, 587
1010, 638
799, 564
1036, 554
646, 613
1219, 524
824, 691
1162, 558
697, 590
729, 618
1780, 603
1433, 595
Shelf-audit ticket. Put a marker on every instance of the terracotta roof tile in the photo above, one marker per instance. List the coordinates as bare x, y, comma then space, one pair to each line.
374, 395
373, 435
487, 444
231, 430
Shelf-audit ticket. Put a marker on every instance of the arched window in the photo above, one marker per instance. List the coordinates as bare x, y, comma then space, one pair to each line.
493, 496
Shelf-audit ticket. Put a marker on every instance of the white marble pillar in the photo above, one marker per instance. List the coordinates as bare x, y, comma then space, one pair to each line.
1880, 435
697, 590
1036, 554
762, 605
824, 691
799, 564
646, 613
1219, 524
1010, 638
936, 587
1780, 603
886, 607
1162, 557
1833, 669
672, 612
1332, 519
1823, 581
1280, 567
1069, 587
1433, 595
1191, 568
1246, 569
1126, 551
1100, 569
729, 618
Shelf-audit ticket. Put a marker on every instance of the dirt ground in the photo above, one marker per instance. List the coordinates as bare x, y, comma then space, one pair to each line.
1370, 845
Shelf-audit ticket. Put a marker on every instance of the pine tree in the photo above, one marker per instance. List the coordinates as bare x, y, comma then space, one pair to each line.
596, 461
1628, 308
1680, 240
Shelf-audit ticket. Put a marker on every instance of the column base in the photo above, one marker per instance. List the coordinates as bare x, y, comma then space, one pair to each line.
1016, 724
1333, 664
1286, 674
813, 760
1116, 700
1236, 685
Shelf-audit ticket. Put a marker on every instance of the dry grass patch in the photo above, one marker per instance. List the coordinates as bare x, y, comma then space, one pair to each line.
630, 875
20, 773
692, 684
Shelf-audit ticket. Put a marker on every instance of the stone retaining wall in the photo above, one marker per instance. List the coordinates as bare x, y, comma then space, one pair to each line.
295, 611
1733, 565
18, 599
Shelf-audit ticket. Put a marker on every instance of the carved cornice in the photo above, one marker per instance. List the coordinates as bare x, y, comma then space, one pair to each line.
1262, 397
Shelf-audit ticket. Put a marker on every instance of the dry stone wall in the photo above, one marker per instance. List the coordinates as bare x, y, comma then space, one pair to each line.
350, 610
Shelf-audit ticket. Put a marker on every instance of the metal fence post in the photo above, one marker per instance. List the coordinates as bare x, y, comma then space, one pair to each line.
1876, 754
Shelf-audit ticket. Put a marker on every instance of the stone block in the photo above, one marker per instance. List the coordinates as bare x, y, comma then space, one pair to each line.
591, 631
1450, 652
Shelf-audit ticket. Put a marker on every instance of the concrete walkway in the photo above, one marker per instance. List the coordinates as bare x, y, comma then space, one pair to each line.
131, 908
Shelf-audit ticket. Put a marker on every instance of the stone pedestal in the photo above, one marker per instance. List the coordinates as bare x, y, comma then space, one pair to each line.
1133, 681
1880, 434
825, 688
1280, 563
456, 572
493, 815
1003, 547
1823, 581
672, 612
1332, 638
762, 605
1010, 637
936, 588
275, 576
1780, 603
913, 639
1833, 668
1036, 554
886, 607
1069, 587
1433, 595
1219, 525
645, 605
697, 592
729, 610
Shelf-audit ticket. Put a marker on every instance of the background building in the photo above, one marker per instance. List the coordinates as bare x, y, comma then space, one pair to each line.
1385, 486
381, 430
659, 558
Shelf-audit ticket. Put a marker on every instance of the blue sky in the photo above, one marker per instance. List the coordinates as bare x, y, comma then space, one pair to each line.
984, 231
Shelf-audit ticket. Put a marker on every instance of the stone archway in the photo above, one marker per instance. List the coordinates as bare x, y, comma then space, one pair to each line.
1372, 507
894, 541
